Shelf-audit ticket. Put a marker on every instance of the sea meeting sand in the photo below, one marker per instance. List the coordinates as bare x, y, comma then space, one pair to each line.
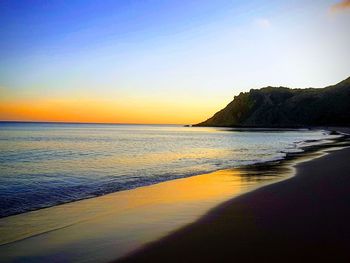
305, 218
109, 227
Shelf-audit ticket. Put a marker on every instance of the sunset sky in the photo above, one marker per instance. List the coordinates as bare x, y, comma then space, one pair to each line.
156, 61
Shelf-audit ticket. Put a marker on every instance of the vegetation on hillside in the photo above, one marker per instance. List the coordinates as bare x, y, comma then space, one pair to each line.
284, 107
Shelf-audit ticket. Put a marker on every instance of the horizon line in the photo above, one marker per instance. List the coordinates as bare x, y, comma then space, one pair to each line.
77, 122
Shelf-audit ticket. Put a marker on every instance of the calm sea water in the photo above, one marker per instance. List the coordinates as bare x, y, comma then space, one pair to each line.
43, 165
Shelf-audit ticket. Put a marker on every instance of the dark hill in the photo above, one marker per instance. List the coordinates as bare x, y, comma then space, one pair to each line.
284, 107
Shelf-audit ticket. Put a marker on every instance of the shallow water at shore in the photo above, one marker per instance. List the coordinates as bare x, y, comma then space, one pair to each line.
45, 164
107, 227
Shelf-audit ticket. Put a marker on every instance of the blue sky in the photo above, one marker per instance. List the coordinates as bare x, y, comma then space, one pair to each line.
199, 53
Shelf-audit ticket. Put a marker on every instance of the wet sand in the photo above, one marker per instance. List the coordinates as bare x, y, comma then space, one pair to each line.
305, 218
107, 227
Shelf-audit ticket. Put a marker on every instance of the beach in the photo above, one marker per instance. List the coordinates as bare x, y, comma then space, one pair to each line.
302, 219
104, 228
174, 131
211, 217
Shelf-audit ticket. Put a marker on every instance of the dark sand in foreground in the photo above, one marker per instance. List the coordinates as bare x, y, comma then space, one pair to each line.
303, 219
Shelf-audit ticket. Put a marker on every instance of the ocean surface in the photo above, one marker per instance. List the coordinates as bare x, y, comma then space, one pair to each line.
45, 164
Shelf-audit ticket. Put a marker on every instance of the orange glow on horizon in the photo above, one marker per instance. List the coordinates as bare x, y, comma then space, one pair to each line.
104, 111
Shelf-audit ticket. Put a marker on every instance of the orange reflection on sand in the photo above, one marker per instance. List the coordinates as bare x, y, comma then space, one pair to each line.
196, 189
202, 189
122, 221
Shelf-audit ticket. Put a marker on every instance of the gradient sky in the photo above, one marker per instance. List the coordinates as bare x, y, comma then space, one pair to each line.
153, 61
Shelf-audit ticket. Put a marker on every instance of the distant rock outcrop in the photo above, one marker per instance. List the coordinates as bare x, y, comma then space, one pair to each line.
284, 107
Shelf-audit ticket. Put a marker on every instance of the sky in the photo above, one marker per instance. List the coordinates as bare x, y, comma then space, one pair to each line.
162, 61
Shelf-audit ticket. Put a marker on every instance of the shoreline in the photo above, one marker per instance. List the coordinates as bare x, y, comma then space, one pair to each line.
341, 131
264, 171
292, 220
121, 222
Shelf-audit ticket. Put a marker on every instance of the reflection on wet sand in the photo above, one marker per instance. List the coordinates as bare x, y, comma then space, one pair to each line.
109, 226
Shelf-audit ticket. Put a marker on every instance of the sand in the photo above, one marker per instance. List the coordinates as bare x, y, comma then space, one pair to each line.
104, 228
303, 219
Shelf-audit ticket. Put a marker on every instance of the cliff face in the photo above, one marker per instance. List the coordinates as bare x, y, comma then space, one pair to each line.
284, 107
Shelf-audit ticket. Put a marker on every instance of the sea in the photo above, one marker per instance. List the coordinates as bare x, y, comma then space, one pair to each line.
46, 164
